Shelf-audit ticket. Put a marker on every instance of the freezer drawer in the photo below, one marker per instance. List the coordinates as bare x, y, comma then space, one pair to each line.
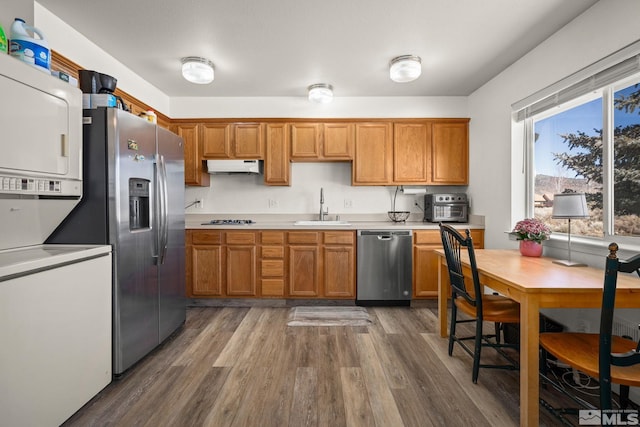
385, 266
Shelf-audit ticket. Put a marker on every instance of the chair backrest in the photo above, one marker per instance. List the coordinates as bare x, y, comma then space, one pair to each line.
606, 359
453, 243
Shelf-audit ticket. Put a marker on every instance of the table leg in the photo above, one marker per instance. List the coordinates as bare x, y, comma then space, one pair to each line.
443, 295
529, 361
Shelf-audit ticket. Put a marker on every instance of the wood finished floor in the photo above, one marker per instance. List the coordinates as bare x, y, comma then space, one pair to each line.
237, 366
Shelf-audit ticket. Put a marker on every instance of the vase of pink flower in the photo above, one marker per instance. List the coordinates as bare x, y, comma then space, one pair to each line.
531, 232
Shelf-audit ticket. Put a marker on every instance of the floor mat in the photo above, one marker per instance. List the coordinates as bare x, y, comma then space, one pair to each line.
329, 316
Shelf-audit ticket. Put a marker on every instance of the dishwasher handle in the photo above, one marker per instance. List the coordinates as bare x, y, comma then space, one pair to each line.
387, 234
385, 237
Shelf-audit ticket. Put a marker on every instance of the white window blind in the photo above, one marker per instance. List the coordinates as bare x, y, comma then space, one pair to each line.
622, 64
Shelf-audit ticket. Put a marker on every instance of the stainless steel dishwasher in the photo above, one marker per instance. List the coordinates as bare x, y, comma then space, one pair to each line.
385, 264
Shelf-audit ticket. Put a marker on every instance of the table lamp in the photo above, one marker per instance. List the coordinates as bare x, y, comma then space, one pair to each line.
569, 206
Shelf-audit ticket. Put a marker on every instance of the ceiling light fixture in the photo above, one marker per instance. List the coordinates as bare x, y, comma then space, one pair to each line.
405, 68
197, 70
320, 93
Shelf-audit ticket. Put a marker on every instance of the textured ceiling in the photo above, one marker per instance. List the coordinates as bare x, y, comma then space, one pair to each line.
279, 47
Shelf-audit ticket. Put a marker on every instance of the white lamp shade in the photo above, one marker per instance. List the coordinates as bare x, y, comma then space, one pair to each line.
197, 70
405, 68
570, 205
321, 93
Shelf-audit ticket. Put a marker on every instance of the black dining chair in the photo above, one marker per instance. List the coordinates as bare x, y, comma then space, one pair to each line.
472, 305
609, 358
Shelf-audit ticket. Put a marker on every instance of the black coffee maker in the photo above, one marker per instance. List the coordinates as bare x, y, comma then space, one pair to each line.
95, 82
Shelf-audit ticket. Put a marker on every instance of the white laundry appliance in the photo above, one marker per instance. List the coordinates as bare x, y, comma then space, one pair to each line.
55, 300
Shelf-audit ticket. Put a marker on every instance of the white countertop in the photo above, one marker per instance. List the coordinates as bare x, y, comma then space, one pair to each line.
287, 222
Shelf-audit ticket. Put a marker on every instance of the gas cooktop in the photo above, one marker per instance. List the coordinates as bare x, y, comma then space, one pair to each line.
229, 222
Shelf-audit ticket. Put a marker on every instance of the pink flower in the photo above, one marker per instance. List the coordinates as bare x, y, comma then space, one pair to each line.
532, 229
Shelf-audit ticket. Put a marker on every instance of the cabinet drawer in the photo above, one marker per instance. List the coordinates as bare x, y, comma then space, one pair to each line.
272, 237
339, 237
272, 252
272, 287
428, 237
240, 237
303, 237
206, 237
272, 267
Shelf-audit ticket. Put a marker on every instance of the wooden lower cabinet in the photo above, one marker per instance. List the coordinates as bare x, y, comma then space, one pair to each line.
271, 264
303, 250
204, 263
221, 264
304, 273
425, 261
294, 264
322, 264
241, 270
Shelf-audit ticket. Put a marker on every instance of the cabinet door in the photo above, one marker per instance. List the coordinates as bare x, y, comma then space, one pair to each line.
195, 172
216, 140
425, 271
247, 140
305, 141
303, 271
411, 153
337, 142
373, 154
450, 153
241, 270
339, 272
206, 270
276, 163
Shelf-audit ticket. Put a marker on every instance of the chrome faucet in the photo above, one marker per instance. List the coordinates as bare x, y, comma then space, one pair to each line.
323, 212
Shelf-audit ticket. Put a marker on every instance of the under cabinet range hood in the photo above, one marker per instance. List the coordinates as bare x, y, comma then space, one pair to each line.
234, 166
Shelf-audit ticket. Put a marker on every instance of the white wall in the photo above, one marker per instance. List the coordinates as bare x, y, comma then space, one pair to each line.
363, 107
247, 194
12, 9
76, 47
496, 180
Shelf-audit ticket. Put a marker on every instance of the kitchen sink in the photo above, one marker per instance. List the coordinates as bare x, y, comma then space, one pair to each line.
322, 223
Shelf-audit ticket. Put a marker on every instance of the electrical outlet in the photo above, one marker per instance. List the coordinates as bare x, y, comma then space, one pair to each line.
199, 204
348, 203
273, 203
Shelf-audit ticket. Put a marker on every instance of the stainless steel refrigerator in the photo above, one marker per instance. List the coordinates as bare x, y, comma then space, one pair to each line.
133, 199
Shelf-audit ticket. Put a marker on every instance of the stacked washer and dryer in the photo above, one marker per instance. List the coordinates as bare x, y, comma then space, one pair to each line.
55, 300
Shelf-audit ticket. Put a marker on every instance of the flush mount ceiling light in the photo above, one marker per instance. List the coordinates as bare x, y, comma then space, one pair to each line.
320, 93
197, 70
405, 68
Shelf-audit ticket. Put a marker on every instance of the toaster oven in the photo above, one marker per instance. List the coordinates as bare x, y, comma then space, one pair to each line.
446, 207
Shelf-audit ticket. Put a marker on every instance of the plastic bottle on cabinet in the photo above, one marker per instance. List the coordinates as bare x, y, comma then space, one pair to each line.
3, 41
26, 46
151, 116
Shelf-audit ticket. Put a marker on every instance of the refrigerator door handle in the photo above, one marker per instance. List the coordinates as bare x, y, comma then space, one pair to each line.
164, 229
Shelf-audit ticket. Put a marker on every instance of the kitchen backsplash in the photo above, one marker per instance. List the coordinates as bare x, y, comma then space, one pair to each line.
247, 193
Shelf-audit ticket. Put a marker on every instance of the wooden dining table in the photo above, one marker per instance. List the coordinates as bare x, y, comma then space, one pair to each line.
535, 283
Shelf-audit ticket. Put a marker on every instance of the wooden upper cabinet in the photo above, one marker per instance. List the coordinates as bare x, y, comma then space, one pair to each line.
322, 141
411, 143
277, 168
305, 141
373, 159
248, 140
216, 140
337, 142
450, 153
195, 172
232, 140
